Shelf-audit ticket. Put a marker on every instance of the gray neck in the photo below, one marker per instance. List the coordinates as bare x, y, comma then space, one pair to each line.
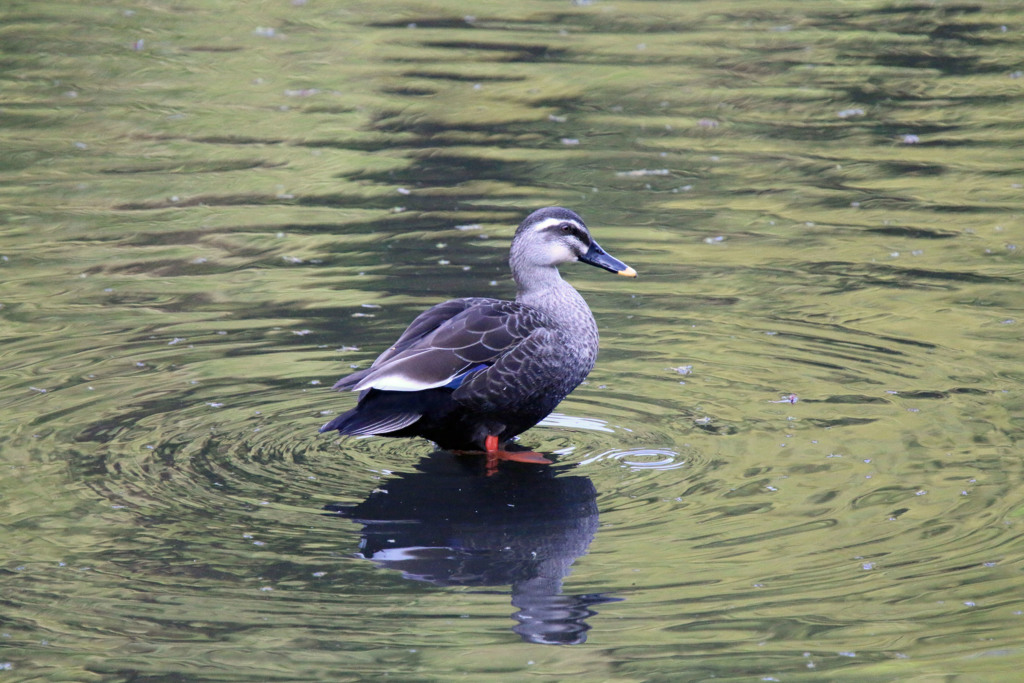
544, 289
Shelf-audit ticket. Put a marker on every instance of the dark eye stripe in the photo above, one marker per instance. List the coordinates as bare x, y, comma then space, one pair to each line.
573, 230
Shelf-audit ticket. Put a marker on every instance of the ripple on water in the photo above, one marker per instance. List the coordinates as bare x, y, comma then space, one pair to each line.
588, 438
640, 459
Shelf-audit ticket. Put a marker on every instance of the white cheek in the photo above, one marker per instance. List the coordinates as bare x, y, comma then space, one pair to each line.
559, 253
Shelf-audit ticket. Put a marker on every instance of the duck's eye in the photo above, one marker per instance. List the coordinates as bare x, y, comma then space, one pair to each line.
566, 228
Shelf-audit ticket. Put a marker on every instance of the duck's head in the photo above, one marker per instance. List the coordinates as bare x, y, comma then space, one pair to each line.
551, 236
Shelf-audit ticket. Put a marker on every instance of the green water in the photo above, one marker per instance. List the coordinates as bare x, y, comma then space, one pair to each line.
209, 211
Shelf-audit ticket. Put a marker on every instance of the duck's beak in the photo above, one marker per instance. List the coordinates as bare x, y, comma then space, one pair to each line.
596, 256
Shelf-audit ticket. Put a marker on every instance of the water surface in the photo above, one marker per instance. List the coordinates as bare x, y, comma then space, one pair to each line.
799, 453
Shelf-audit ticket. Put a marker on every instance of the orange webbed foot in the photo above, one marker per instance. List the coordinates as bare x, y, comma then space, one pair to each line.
496, 455
529, 457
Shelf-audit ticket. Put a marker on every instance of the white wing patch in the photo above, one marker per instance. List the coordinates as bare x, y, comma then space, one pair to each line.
397, 382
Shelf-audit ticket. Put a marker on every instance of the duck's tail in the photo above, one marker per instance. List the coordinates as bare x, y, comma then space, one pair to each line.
361, 423
378, 412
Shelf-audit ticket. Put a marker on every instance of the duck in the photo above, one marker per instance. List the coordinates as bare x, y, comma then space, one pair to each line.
471, 374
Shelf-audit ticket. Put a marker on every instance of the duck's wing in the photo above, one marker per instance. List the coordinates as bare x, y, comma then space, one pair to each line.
445, 344
426, 322
529, 372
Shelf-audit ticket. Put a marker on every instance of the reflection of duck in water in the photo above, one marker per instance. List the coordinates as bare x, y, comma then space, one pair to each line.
470, 374
525, 527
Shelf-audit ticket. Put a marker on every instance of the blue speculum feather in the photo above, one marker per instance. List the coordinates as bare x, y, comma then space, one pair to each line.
459, 379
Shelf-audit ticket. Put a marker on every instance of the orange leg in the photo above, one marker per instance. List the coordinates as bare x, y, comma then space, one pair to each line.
491, 444
495, 455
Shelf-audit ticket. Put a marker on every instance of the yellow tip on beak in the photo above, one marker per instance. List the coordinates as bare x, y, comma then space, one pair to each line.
628, 272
